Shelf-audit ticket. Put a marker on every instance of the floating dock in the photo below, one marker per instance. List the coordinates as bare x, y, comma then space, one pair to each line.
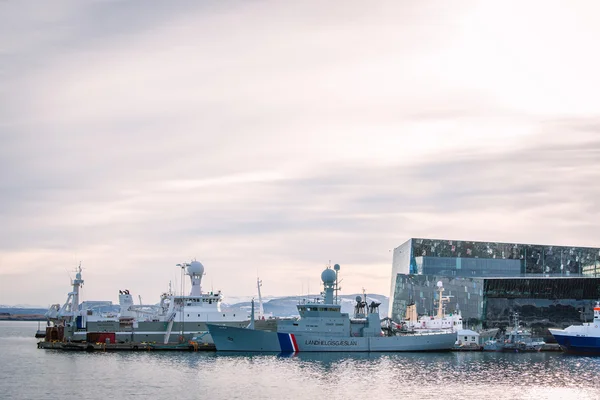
91, 347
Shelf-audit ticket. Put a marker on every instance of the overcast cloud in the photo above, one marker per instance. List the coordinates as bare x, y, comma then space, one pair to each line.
270, 137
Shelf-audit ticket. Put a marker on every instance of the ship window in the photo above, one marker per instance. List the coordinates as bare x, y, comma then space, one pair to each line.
198, 314
223, 314
188, 315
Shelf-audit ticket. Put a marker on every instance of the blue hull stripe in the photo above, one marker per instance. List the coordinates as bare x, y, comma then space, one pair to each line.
285, 341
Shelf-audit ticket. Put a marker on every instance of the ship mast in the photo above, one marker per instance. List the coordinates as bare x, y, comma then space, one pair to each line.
441, 299
336, 268
71, 306
261, 310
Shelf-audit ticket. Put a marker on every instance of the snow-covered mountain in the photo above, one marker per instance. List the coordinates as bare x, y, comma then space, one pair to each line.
22, 306
278, 306
286, 306
22, 310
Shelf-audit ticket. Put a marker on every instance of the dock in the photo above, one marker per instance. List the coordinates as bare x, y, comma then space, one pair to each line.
103, 347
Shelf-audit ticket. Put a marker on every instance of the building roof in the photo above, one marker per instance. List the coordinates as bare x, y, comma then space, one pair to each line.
466, 332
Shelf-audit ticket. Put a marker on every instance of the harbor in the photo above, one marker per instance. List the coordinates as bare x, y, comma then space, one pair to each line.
319, 327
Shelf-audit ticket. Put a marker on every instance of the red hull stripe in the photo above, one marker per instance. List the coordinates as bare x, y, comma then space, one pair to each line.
294, 343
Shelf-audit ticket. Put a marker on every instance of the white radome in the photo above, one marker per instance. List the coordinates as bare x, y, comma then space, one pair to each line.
328, 276
195, 268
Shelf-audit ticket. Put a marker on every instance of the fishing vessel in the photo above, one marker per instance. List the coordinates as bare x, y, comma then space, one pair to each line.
175, 319
443, 321
580, 339
517, 340
322, 327
451, 322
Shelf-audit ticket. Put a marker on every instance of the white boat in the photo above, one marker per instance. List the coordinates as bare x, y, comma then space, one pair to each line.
175, 319
445, 322
442, 321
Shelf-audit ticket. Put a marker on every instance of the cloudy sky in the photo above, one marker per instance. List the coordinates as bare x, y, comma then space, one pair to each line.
271, 137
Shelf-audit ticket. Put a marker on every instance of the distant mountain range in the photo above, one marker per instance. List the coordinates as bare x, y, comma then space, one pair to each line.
284, 306
16, 310
22, 306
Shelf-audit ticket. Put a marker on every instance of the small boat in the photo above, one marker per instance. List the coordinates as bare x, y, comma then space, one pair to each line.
517, 340
580, 339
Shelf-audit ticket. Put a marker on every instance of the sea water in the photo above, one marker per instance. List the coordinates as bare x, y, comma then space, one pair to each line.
27, 372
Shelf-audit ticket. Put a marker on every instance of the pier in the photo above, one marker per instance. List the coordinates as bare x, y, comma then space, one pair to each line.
92, 347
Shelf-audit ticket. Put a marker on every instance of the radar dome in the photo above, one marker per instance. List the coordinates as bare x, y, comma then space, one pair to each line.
358, 299
328, 276
440, 284
195, 268
336, 267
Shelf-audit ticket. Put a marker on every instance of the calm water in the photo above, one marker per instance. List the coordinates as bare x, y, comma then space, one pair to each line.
29, 373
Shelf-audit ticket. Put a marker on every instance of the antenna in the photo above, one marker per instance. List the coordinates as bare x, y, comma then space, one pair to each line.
181, 298
336, 268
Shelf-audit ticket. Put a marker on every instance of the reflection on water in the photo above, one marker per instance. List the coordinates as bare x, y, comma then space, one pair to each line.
39, 374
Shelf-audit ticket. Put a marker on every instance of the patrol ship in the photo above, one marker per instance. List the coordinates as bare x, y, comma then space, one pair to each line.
322, 327
580, 339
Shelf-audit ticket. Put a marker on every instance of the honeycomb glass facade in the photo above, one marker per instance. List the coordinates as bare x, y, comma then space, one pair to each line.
548, 285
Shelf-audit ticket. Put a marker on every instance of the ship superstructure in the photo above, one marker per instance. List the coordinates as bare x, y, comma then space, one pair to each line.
451, 322
175, 319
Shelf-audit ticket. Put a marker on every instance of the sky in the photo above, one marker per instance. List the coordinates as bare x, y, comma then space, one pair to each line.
267, 138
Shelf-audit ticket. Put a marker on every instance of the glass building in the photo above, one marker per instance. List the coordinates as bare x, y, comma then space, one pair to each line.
549, 286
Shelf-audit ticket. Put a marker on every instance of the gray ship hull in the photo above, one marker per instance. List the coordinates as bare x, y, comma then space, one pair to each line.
227, 338
151, 331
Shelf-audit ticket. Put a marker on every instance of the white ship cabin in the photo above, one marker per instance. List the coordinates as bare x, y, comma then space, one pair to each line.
318, 318
327, 319
320, 310
198, 306
208, 300
452, 322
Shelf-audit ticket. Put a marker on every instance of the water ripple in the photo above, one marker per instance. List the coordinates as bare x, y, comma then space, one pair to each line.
29, 373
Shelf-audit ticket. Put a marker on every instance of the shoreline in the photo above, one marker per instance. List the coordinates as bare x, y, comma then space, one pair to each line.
22, 317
